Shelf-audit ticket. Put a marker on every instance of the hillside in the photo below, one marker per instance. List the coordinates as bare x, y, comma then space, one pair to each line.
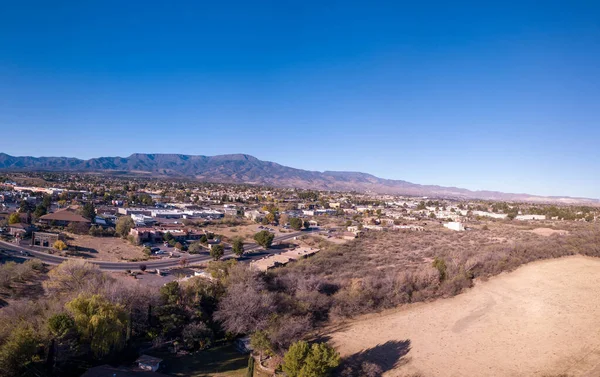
241, 168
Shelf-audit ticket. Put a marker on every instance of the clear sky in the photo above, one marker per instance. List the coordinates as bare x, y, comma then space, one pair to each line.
483, 95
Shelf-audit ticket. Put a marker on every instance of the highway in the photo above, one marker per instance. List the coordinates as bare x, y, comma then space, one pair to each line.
28, 252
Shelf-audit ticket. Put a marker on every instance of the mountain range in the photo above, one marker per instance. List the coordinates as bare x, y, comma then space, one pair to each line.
242, 168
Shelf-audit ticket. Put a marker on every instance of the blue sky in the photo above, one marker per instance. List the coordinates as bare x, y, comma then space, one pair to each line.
482, 95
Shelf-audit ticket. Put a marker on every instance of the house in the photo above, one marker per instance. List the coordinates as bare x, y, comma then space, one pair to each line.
530, 217
334, 205
350, 235
454, 225
148, 363
63, 217
254, 215
378, 228
142, 220
353, 228
44, 239
134, 211
20, 230
230, 211
415, 228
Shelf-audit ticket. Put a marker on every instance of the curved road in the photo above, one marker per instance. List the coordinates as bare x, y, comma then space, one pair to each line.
23, 251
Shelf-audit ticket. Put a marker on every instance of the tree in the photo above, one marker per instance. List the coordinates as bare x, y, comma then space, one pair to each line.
60, 325
247, 305
59, 245
217, 251
197, 335
183, 262
259, 340
124, 225
283, 219
302, 360
143, 267
74, 276
306, 224
89, 211
19, 349
40, 211
99, 323
204, 239
14, 218
195, 248
264, 238
178, 246
440, 265
238, 246
270, 218
250, 371
296, 223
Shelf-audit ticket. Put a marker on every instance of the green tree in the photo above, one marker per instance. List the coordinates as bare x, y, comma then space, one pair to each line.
124, 225
440, 265
238, 246
217, 251
294, 358
60, 325
99, 322
14, 218
170, 293
195, 248
306, 224
19, 349
250, 371
260, 342
89, 211
40, 211
302, 360
264, 238
321, 361
295, 223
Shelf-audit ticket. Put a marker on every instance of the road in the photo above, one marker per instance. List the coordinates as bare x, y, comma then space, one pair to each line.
23, 251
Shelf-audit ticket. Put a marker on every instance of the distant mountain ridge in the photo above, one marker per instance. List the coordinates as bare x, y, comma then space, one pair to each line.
242, 168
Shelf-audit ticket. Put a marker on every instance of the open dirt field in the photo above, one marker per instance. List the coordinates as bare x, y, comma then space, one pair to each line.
105, 248
542, 319
547, 232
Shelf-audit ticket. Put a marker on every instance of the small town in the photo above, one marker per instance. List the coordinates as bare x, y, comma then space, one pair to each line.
160, 236
299, 189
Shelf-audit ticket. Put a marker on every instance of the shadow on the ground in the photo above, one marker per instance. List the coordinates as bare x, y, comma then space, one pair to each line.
375, 361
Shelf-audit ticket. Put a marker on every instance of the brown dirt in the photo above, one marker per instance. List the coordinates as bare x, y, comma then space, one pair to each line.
539, 320
547, 232
105, 248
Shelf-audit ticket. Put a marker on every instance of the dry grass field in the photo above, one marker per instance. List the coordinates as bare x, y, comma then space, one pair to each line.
105, 248
541, 319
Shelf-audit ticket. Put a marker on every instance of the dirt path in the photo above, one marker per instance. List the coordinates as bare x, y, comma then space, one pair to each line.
543, 318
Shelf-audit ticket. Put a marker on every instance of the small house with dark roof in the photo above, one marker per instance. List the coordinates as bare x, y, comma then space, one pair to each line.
63, 217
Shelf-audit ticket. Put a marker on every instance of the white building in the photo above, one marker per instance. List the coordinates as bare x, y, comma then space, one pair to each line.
455, 225
530, 217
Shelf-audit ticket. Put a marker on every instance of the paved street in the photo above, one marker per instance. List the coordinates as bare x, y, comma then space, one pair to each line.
29, 252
